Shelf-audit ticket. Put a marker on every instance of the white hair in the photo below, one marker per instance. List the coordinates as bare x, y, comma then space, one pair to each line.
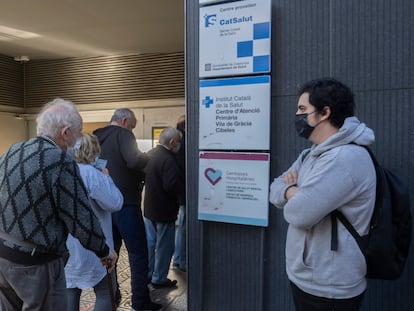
55, 115
121, 113
168, 134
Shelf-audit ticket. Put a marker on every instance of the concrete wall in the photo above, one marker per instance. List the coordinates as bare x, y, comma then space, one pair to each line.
12, 130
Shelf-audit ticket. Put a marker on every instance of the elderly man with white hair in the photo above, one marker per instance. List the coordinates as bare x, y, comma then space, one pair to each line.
42, 199
163, 187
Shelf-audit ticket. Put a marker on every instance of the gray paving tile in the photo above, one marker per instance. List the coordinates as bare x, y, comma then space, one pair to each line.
173, 299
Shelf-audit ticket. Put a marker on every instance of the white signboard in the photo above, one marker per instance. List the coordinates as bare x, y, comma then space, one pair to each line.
235, 113
233, 187
235, 38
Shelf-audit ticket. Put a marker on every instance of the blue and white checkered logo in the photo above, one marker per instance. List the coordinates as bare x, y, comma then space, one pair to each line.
257, 47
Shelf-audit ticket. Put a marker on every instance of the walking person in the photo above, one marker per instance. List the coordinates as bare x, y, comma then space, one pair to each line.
126, 164
163, 187
42, 199
335, 173
83, 269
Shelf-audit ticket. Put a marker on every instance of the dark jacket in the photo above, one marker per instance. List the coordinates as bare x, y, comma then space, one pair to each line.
125, 161
181, 165
162, 186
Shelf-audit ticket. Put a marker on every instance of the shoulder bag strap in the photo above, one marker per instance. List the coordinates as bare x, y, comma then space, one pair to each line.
334, 237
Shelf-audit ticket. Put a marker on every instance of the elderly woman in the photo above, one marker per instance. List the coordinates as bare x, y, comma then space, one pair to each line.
83, 269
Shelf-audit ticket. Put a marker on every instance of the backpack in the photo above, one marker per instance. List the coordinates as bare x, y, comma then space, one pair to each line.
386, 246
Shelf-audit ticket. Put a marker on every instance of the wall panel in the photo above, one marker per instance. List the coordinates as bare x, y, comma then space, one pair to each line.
11, 82
106, 79
372, 43
300, 43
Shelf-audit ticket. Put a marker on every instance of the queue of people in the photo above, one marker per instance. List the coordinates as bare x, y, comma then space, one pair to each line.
60, 206
65, 212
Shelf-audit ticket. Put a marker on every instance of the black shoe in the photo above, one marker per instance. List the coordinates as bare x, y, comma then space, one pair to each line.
150, 306
166, 284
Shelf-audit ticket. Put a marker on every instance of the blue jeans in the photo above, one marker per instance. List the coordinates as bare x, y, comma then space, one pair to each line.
180, 251
103, 297
160, 249
128, 225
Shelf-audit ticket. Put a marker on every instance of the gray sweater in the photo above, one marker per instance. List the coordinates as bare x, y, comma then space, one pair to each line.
42, 198
334, 175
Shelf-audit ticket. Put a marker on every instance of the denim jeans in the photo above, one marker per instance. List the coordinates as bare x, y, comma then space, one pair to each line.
103, 297
160, 249
128, 225
180, 250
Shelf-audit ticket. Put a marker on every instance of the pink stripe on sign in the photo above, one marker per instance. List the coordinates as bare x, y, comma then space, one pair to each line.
234, 156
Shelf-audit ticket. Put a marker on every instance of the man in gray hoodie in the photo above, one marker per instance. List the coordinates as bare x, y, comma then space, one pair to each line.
335, 173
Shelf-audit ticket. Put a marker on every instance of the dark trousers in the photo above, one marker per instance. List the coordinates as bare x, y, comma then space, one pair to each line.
128, 225
307, 302
33, 287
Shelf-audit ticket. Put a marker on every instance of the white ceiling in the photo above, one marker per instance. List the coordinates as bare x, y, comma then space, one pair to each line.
84, 28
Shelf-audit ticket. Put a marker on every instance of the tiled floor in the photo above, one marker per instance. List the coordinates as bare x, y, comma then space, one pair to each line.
173, 299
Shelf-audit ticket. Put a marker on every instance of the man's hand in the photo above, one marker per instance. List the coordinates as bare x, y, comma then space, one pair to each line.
110, 260
290, 178
290, 192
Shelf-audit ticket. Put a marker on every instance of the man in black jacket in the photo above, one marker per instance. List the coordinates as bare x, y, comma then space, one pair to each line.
126, 163
163, 186
180, 251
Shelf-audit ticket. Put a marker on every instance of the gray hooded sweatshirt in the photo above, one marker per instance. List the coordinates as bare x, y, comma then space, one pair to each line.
334, 175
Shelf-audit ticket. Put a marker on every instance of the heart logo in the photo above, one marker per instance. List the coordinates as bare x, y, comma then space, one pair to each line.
212, 175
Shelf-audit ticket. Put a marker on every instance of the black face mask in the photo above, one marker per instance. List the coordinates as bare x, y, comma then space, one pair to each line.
301, 124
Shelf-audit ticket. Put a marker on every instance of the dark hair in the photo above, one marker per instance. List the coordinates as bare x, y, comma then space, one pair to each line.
332, 93
181, 123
